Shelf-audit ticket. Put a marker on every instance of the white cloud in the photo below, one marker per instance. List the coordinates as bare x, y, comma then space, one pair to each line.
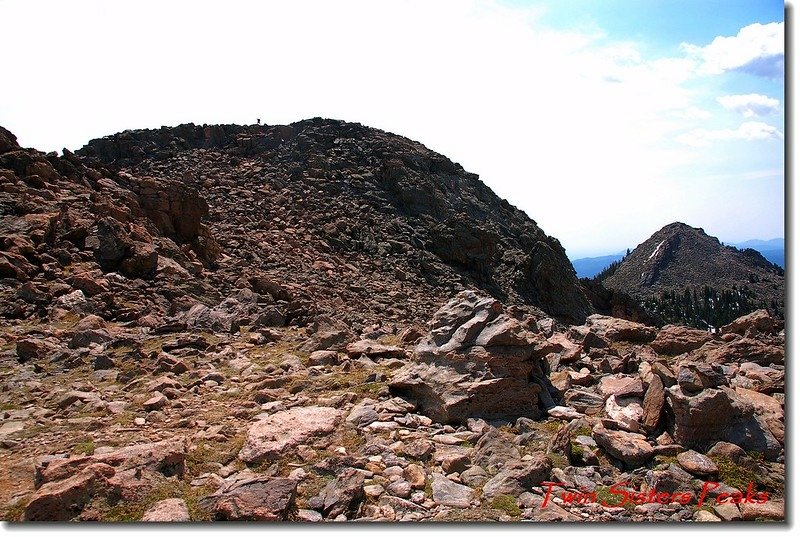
749, 130
757, 49
750, 105
559, 122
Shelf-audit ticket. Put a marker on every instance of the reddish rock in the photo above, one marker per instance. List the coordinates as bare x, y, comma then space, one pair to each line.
453, 378
771, 510
342, 496
274, 436
166, 457
768, 408
373, 349
621, 386
156, 402
759, 321
697, 464
744, 350
716, 414
653, 405
673, 339
257, 499
169, 510
632, 449
616, 329
34, 349
727, 450
64, 499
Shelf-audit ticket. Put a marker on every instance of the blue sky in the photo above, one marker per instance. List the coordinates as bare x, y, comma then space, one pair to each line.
603, 120
661, 25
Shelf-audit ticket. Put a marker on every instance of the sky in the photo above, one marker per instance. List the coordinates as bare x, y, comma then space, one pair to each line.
604, 120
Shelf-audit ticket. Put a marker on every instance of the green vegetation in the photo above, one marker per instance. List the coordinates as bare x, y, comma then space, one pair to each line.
558, 460
550, 426
428, 488
606, 497
707, 306
204, 456
15, 511
734, 474
133, 510
84, 448
506, 503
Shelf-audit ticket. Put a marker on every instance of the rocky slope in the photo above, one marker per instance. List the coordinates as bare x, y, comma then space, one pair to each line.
678, 257
321, 202
288, 424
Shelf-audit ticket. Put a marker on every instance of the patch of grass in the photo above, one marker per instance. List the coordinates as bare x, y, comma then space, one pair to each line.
84, 448
506, 503
351, 440
369, 388
550, 426
133, 510
506, 429
575, 451
584, 430
428, 488
310, 487
15, 511
667, 459
9, 406
605, 496
734, 474
125, 418
558, 460
202, 458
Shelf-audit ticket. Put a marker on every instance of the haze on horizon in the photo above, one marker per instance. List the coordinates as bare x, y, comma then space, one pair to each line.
603, 120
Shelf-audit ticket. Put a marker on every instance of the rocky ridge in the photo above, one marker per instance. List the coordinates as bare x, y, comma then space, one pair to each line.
320, 202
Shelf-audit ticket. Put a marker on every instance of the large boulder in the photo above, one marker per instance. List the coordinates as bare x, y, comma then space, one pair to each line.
66, 485
476, 361
742, 350
126, 248
342, 496
446, 492
674, 339
274, 436
616, 329
632, 449
65, 499
166, 457
517, 477
258, 499
758, 321
653, 405
714, 414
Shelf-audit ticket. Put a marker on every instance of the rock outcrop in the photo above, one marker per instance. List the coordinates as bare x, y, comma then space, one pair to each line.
476, 361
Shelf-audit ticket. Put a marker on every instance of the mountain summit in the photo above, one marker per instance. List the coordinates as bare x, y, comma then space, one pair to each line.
353, 218
680, 257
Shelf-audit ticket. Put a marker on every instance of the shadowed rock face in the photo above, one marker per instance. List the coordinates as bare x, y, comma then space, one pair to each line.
324, 194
